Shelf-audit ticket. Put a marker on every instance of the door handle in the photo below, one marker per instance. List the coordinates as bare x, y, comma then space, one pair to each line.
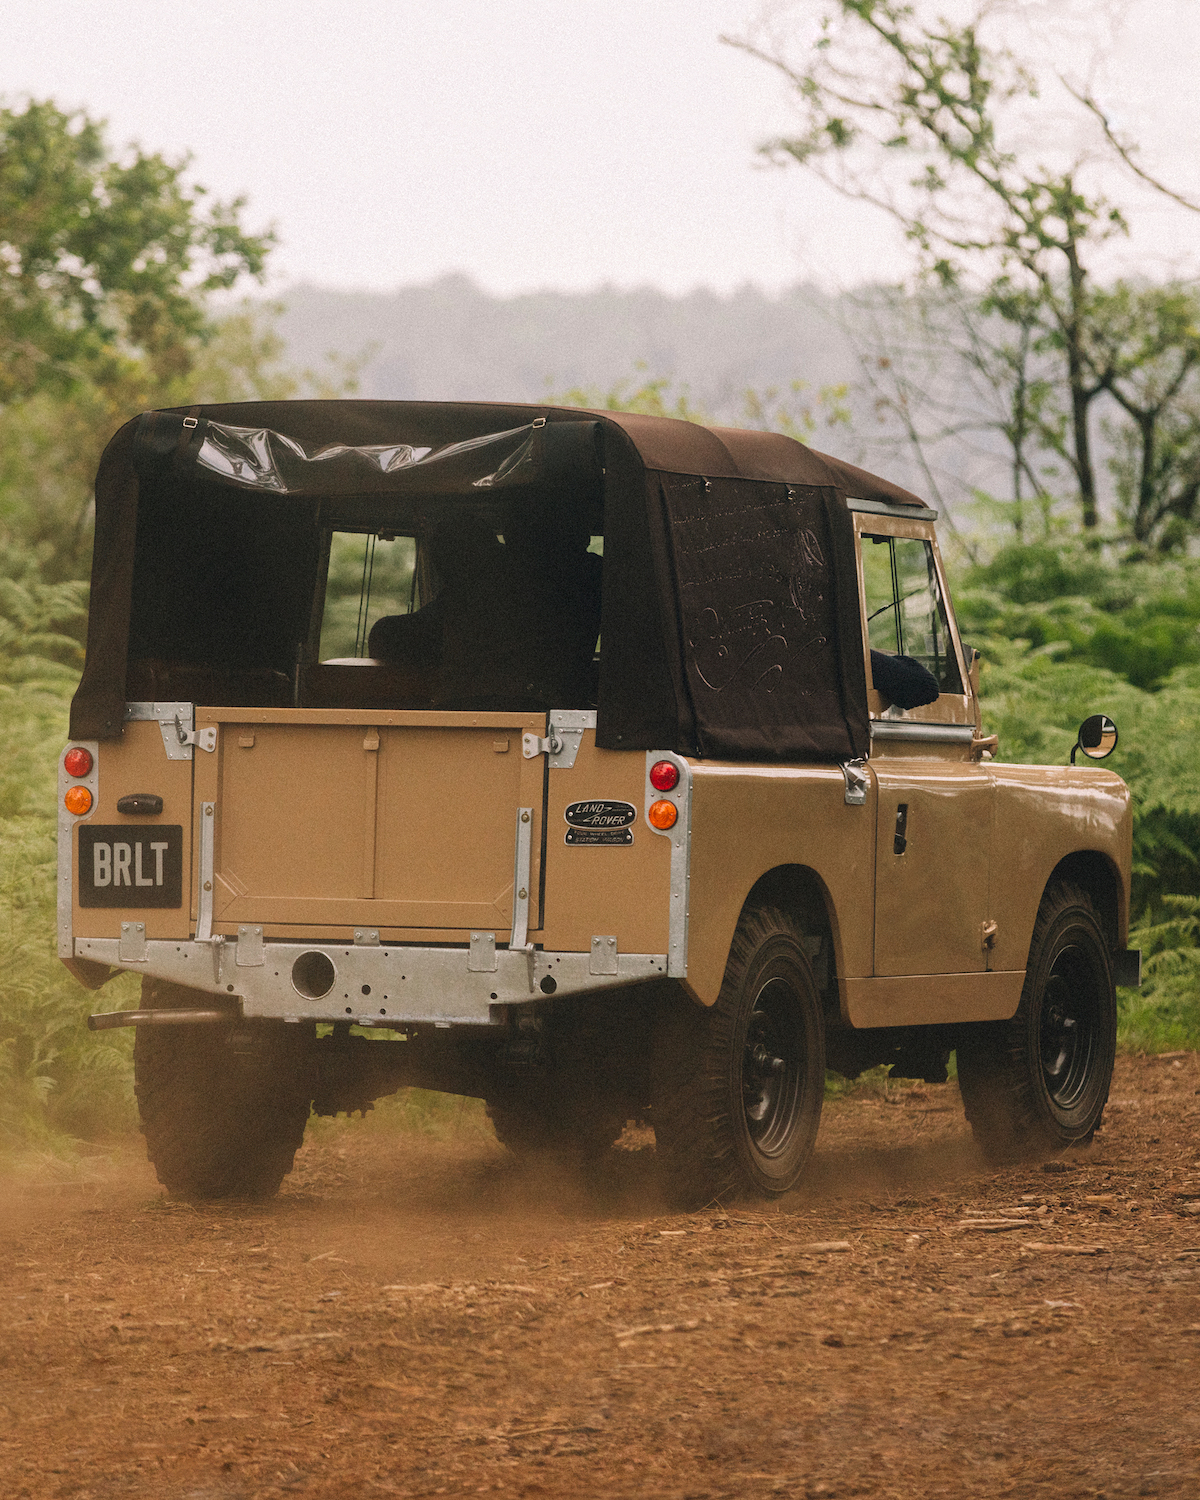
900, 838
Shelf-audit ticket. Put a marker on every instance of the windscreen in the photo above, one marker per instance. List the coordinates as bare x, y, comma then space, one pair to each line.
906, 615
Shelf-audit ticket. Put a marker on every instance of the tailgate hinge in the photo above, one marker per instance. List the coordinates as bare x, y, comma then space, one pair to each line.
604, 956
248, 952
132, 947
532, 746
175, 722
204, 739
562, 742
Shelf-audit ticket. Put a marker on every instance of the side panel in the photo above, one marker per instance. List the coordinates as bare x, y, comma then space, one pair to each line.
619, 890
931, 871
933, 999
748, 820
1044, 813
137, 762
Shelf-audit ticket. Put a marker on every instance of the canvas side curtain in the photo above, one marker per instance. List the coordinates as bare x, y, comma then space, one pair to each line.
769, 630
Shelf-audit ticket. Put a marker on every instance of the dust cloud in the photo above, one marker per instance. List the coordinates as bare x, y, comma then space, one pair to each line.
420, 1314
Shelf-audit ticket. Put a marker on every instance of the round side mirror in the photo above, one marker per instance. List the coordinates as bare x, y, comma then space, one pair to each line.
1097, 738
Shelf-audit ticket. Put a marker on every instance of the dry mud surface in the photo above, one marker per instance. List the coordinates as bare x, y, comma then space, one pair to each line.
415, 1317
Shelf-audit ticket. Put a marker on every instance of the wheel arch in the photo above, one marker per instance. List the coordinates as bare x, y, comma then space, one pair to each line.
800, 892
1097, 875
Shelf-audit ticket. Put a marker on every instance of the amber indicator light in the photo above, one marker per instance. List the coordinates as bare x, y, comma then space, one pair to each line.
662, 814
78, 800
78, 761
664, 776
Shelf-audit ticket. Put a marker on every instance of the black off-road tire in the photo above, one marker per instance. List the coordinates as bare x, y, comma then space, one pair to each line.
739, 1086
1038, 1084
220, 1121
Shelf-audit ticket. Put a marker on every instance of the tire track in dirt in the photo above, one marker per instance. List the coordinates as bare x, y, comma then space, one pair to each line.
416, 1317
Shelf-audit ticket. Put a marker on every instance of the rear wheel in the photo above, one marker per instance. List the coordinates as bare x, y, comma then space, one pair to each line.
1039, 1082
740, 1086
571, 1130
223, 1113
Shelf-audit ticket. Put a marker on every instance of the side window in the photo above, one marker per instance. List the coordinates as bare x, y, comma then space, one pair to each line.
369, 576
906, 614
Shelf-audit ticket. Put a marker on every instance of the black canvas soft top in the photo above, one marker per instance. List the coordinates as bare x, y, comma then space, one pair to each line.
730, 621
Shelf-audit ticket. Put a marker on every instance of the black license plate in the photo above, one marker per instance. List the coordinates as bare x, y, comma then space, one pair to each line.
133, 867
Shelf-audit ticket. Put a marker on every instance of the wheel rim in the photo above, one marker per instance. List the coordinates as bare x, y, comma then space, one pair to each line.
772, 1070
1070, 1027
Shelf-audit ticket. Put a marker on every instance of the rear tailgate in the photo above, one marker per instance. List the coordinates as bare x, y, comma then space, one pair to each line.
403, 822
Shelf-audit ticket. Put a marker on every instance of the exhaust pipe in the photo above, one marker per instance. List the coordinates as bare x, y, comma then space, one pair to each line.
110, 1020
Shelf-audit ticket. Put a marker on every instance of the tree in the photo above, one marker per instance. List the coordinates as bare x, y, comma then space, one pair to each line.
104, 258
108, 263
1145, 343
879, 87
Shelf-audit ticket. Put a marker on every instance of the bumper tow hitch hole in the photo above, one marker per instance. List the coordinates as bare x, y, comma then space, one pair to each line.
313, 975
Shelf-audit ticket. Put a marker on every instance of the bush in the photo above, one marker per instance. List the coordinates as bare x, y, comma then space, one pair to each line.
1165, 1013
1125, 643
58, 1081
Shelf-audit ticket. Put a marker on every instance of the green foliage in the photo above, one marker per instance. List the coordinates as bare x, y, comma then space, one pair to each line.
1144, 345
789, 409
1064, 635
40, 623
438, 1116
650, 397
107, 265
104, 257
1035, 702
1140, 620
50, 445
1165, 1013
52, 1079
352, 557
58, 1081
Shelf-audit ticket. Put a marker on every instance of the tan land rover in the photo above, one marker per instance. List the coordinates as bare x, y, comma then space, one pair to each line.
598, 766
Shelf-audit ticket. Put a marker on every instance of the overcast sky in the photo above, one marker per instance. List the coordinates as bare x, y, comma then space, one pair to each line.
531, 143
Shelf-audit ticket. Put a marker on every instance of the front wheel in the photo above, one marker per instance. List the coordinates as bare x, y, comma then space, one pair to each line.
1039, 1083
739, 1087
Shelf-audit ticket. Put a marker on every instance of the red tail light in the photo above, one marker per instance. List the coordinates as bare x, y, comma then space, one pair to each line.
664, 776
77, 761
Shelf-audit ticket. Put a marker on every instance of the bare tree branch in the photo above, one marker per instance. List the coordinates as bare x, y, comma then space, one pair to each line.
1125, 151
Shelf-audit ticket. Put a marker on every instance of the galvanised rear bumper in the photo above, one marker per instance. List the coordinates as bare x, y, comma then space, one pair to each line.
374, 985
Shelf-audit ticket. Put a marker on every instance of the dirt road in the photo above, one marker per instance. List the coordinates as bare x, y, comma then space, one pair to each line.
417, 1317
